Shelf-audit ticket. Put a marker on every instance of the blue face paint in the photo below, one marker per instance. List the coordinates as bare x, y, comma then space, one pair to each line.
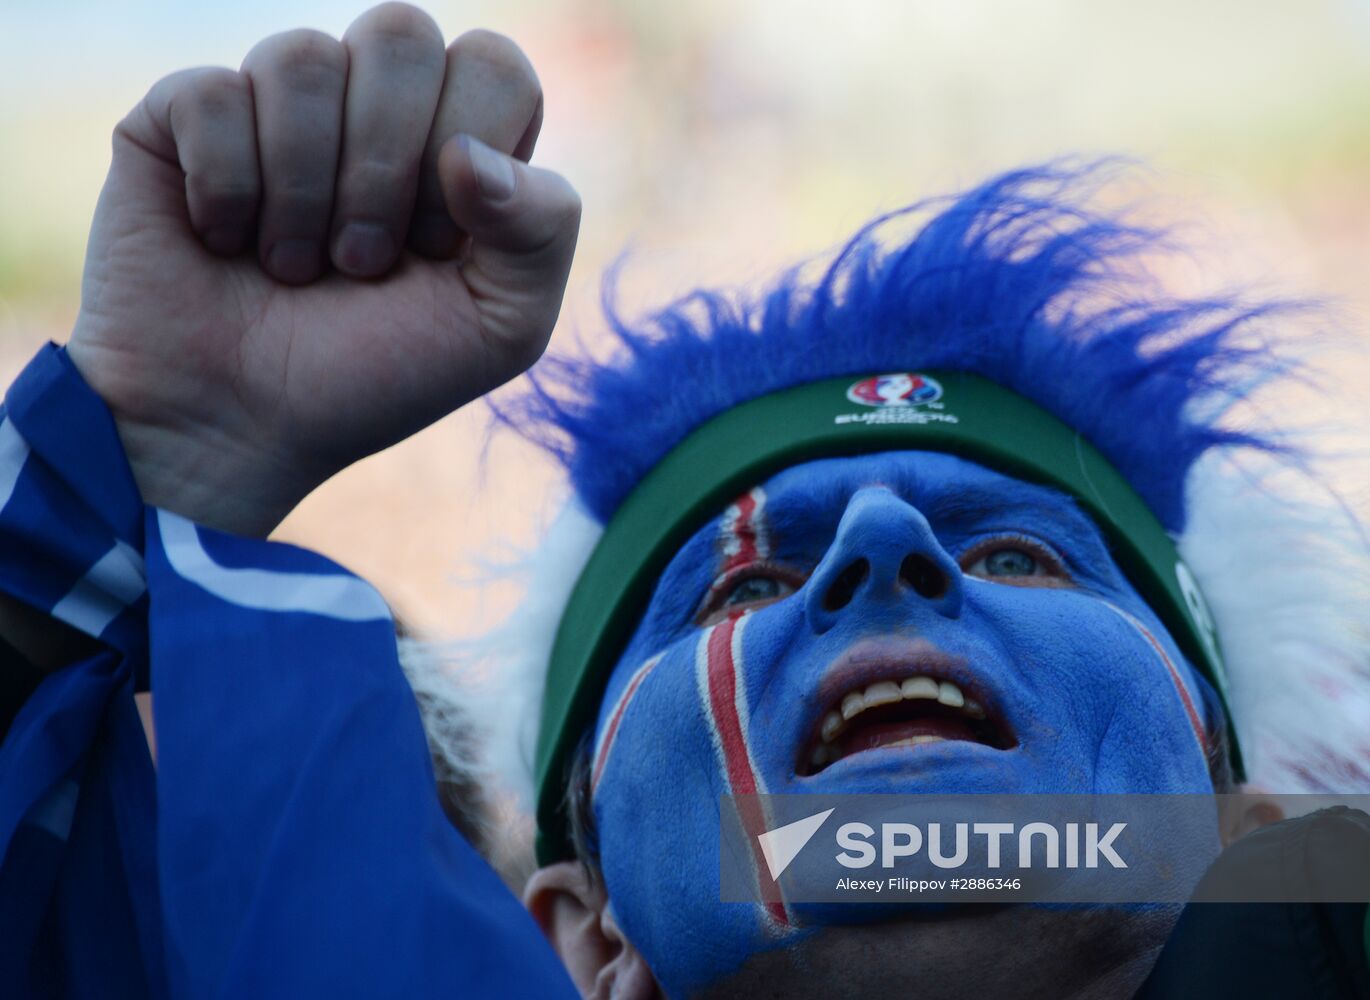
837, 574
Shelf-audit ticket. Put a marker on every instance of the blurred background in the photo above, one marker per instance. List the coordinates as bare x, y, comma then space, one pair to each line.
722, 139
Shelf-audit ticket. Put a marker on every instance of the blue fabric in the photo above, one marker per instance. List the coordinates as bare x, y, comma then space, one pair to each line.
289, 841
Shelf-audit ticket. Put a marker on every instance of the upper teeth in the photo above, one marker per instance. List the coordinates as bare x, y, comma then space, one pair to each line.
888, 692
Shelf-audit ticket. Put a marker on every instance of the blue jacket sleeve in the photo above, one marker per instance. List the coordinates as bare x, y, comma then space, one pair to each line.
289, 841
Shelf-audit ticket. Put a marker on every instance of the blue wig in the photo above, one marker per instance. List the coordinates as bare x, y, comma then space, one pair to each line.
1015, 280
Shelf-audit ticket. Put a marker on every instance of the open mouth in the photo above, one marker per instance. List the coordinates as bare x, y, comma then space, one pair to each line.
912, 710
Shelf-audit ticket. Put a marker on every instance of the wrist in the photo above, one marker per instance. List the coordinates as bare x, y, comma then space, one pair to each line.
214, 479
185, 452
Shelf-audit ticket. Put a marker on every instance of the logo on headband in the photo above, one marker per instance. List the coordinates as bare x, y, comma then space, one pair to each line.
899, 389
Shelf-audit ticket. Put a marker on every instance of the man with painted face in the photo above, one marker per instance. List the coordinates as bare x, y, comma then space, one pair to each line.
915, 581
914, 526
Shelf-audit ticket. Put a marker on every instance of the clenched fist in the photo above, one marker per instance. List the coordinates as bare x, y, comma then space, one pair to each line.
302, 262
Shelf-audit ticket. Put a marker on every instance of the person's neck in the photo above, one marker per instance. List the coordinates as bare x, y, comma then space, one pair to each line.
1022, 953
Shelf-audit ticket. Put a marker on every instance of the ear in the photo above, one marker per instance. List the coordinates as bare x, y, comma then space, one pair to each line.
1250, 809
573, 911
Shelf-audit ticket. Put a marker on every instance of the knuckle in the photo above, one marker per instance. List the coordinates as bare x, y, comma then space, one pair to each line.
566, 222
573, 203
566, 215
408, 31
500, 58
168, 87
214, 94
136, 127
129, 133
307, 60
174, 83
189, 97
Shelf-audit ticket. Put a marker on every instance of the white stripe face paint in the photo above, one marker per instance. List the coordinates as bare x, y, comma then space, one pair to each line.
740, 704
615, 721
722, 685
14, 452
345, 598
1187, 698
743, 537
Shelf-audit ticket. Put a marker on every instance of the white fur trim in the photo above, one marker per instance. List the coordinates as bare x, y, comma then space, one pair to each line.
486, 693
1285, 570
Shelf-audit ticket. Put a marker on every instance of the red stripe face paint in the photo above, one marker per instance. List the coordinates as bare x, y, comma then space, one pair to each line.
743, 536
723, 693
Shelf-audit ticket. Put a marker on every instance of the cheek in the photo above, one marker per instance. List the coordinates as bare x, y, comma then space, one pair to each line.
656, 809
1157, 740
650, 742
1114, 706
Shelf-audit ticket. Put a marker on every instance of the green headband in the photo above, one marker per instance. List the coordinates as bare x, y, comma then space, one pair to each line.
951, 412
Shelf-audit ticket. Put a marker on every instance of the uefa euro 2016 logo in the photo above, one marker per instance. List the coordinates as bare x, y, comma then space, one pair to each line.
898, 389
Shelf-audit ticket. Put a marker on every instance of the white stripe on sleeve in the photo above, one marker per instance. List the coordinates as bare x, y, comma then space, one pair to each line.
115, 581
339, 596
14, 451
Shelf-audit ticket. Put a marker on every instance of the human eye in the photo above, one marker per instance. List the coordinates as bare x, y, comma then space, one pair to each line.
1016, 560
746, 588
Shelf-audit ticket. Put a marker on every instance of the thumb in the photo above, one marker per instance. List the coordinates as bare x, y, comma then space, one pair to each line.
523, 223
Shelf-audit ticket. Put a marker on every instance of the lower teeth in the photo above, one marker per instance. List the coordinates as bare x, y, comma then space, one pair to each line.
914, 741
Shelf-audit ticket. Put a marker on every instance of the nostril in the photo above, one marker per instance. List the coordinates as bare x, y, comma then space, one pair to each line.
843, 589
924, 576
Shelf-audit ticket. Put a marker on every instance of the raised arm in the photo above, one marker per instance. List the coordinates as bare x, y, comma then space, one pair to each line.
292, 265
302, 261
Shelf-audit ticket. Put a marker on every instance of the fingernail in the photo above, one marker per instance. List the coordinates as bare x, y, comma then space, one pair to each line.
363, 248
494, 172
295, 261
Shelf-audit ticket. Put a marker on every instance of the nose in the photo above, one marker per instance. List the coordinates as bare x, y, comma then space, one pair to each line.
884, 554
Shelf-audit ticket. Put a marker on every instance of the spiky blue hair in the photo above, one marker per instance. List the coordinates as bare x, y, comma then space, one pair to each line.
1016, 280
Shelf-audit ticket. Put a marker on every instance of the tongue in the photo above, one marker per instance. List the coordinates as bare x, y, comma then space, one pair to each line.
879, 734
